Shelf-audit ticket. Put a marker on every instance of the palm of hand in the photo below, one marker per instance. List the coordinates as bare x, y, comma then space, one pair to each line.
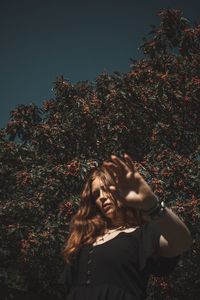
130, 187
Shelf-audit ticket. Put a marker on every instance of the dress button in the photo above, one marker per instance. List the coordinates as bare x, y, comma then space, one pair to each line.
91, 251
88, 272
88, 281
89, 261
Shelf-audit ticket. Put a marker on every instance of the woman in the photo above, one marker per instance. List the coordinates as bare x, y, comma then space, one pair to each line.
120, 235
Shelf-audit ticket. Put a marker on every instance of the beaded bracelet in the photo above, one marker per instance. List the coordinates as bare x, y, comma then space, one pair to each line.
155, 212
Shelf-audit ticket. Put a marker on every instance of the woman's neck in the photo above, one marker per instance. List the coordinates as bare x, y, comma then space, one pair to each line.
116, 224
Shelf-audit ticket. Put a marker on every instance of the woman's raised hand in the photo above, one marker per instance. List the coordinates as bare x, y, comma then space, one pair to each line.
130, 188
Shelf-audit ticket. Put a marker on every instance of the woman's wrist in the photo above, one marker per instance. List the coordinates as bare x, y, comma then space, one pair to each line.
154, 212
149, 204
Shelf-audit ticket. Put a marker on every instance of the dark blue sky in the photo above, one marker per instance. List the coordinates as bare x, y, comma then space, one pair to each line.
79, 39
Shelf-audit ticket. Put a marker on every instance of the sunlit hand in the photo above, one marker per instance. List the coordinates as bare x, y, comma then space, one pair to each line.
130, 188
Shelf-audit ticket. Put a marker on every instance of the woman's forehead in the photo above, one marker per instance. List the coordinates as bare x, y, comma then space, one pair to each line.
97, 183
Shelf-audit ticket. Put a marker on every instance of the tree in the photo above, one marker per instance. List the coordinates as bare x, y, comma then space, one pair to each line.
46, 154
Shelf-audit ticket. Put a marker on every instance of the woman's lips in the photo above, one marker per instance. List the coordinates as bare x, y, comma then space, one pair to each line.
107, 207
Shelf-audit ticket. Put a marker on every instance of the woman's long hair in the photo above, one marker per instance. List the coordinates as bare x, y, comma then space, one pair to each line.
89, 222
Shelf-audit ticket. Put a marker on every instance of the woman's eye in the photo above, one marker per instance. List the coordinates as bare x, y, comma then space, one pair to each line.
96, 194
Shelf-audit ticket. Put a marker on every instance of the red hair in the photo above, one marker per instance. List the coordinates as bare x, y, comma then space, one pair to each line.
88, 222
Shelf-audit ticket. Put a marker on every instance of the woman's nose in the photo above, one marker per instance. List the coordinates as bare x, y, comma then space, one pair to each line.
102, 194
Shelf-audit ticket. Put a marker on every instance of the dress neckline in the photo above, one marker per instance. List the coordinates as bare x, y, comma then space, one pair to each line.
123, 231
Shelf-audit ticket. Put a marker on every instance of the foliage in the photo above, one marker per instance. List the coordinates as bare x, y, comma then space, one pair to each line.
46, 154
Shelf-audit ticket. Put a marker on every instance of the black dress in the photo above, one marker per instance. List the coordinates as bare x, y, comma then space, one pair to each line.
118, 269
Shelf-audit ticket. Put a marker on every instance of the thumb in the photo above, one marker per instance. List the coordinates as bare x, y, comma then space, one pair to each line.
116, 193
112, 188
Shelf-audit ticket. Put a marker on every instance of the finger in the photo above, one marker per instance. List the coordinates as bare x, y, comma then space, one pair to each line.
112, 168
112, 172
122, 165
129, 162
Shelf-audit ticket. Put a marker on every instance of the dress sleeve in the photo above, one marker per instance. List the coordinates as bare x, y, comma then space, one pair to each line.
162, 266
66, 276
148, 244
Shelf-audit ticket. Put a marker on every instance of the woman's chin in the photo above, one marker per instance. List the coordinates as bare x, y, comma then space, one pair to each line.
110, 213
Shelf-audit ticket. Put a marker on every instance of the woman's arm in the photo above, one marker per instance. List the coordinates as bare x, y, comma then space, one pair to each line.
175, 236
133, 191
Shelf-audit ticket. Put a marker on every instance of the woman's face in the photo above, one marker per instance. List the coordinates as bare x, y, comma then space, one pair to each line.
105, 203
